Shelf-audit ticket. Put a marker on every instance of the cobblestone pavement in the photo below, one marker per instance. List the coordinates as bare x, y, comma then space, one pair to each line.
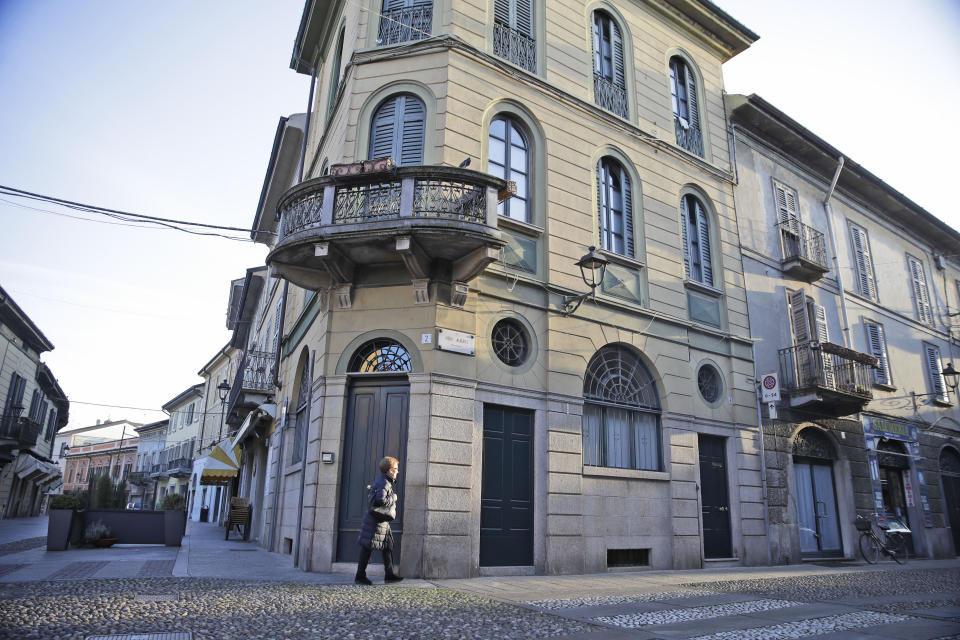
915, 603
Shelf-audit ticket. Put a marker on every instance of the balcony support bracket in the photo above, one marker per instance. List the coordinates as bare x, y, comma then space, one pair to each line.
421, 291
458, 294
345, 295
338, 265
414, 257
471, 265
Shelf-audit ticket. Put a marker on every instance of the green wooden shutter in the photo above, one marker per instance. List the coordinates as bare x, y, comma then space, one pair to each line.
703, 228
413, 118
382, 131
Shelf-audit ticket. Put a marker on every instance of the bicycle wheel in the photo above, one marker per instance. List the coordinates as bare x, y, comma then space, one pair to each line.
896, 543
869, 547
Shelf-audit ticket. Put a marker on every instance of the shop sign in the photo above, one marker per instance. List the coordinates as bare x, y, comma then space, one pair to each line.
908, 489
890, 429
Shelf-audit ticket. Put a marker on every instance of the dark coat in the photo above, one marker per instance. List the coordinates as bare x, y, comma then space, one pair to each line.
373, 534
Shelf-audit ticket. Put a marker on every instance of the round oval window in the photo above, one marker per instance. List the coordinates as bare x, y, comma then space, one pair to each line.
510, 342
709, 383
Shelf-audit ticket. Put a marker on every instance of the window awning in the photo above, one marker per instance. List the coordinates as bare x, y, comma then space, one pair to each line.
264, 413
220, 466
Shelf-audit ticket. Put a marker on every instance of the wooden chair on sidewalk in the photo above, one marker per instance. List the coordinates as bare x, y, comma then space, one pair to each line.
239, 517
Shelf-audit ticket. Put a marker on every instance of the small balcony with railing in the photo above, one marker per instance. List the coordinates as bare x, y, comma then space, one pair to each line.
159, 470
138, 478
515, 46
437, 222
826, 378
804, 251
610, 95
252, 385
17, 432
405, 24
180, 467
689, 136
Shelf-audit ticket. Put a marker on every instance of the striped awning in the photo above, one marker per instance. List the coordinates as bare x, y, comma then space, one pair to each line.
221, 465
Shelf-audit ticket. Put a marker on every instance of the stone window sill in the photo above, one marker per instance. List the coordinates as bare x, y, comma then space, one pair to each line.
631, 474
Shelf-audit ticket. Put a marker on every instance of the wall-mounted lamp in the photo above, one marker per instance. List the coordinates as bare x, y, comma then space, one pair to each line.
951, 375
593, 266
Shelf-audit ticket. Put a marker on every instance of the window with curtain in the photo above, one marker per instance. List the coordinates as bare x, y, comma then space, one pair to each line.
621, 412
686, 110
509, 158
404, 21
513, 35
398, 129
695, 229
614, 208
609, 76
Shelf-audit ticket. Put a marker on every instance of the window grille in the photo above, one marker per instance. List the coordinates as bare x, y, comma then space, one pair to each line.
378, 356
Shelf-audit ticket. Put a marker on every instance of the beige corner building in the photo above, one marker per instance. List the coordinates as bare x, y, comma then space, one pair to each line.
555, 409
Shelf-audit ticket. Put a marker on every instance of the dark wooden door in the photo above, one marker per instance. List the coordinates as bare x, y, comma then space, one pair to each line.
506, 495
376, 426
951, 495
715, 498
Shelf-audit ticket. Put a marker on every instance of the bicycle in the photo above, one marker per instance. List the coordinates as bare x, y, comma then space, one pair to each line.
893, 544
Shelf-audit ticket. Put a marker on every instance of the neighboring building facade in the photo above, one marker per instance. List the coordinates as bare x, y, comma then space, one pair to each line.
34, 409
852, 295
180, 444
102, 431
87, 461
143, 484
434, 312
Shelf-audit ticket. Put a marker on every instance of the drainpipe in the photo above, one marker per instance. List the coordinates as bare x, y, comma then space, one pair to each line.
303, 465
763, 465
847, 341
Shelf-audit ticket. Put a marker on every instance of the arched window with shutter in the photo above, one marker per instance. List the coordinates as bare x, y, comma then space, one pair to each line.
609, 73
686, 106
615, 208
513, 33
397, 130
695, 229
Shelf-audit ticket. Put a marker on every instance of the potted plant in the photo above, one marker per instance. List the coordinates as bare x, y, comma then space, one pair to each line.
63, 508
98, 534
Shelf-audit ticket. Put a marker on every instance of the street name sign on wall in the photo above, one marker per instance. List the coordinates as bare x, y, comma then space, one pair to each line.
456, 341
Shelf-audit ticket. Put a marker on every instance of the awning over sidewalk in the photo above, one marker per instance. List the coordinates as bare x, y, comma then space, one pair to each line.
264, 413
220, 466
32, 469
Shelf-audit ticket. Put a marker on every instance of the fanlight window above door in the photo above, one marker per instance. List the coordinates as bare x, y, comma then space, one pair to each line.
380, 355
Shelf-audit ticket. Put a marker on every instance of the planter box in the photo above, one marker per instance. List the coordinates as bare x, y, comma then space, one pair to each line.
58, 529
174, 526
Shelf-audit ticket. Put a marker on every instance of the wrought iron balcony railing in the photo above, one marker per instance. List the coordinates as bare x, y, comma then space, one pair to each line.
826, 366
417, 192
23, 432
802, 242
137, 477
688, 137
405, 25
180, 466
517, 47
610, 96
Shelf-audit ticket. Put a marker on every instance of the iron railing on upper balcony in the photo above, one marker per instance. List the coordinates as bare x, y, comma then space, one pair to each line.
689, 137
515, 46
803, 241
825, 365
23, 430
610, 96
182, 465
419, 192
256, 374
405, 25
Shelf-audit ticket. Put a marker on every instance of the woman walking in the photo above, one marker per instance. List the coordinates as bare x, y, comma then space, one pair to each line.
375, 530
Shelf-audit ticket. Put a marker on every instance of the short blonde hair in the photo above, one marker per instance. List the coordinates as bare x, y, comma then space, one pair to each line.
386, 462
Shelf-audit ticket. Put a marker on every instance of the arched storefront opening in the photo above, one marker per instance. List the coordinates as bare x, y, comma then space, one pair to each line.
817, 519
376, 426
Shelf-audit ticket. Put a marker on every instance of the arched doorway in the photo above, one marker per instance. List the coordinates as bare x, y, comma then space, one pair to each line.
950, 475
376, 426
819, 525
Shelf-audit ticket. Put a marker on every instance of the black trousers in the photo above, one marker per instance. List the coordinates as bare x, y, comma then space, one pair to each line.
364, 559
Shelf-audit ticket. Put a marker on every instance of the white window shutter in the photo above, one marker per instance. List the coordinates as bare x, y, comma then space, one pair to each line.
864, 265
921, 294
935, 371
823, 335
799, 318
878, 349
501, 12
524, 19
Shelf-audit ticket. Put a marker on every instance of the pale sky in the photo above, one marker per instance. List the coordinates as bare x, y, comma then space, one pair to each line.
169, 109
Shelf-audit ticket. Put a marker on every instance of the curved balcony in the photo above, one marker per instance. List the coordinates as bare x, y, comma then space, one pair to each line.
440, 222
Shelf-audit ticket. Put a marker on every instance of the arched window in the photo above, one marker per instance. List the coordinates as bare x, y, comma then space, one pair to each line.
614, 208
397, 130
621, 412
405, 21
380, 355
686, 110
609, 77
509, 159
302, 410
695, 228
335, 73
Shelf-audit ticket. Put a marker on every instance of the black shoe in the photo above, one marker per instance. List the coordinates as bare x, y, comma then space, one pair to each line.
392, 578
364, 580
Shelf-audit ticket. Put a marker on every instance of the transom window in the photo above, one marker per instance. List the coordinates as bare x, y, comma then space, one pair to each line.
695, 228
615, 208
621, 412
509, 159
378, 356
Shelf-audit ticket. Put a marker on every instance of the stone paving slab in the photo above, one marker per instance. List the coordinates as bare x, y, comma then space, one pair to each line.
917, 630
77, 570
803, 611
